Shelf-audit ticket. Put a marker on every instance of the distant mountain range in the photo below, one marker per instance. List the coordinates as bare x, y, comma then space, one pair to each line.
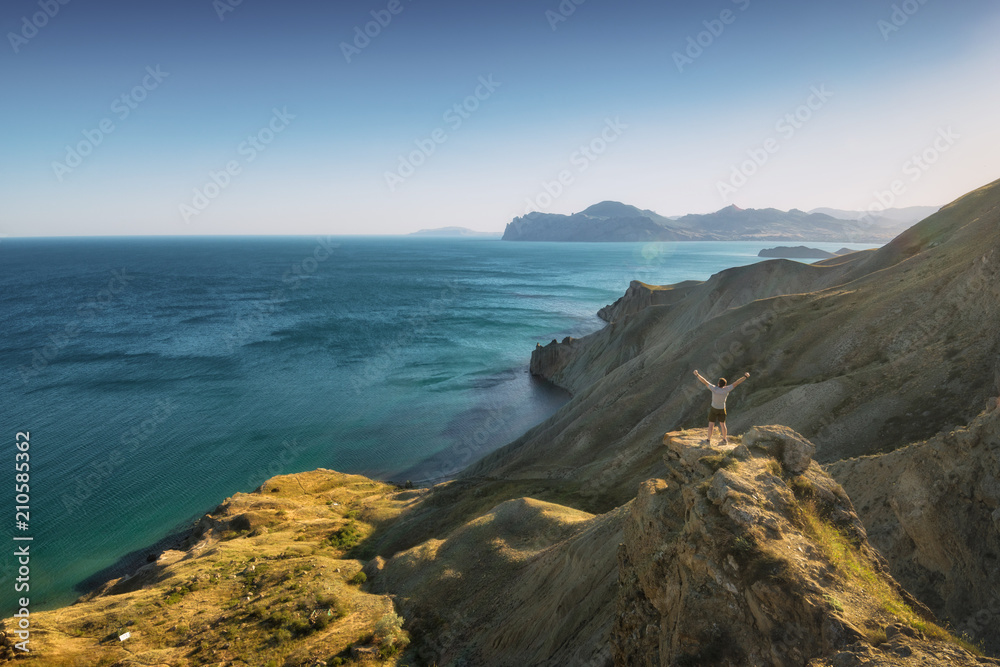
909, 216
614, 221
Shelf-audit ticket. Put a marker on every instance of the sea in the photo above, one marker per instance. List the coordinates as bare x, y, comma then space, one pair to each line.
155, 377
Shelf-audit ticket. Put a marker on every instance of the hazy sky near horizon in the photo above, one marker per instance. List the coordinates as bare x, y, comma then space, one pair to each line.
254, 117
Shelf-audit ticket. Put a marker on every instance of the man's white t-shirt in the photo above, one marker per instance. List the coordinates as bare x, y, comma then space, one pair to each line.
719, 395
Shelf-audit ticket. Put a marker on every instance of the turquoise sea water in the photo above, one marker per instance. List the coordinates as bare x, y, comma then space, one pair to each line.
159, 376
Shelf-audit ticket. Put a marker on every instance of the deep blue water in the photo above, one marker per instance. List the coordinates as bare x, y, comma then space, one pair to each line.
157, 376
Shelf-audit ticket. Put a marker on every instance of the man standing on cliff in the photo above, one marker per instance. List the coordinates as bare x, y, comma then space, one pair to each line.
717, 413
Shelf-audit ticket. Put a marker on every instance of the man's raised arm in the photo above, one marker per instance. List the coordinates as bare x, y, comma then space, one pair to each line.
745, 376
702, 380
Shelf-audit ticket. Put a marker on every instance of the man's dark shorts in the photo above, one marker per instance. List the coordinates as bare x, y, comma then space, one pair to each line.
716, 415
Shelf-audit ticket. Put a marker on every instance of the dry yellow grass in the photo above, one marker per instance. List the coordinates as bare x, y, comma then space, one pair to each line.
275, 590
866, 584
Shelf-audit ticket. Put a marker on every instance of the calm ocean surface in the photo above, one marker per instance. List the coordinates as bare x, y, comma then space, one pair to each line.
158, 376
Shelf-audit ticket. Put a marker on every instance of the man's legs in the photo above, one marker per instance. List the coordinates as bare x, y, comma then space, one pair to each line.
711, 425
724, 432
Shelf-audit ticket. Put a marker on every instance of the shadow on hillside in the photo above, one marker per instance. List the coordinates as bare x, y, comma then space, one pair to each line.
132, 561
448, 506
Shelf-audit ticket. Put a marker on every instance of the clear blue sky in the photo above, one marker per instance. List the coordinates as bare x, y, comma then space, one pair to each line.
671, 134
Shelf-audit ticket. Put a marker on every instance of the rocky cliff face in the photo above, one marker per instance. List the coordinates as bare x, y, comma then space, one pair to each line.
549, 361
639, 296
933, 510
752, 555
674, 313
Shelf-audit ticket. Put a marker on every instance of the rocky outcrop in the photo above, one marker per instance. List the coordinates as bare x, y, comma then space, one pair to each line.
794, 451
752, 555
903, 648
549, 361
933, 510
742, 554
671, 313
639, 295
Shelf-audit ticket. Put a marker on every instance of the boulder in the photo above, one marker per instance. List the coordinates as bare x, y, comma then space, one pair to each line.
794, 451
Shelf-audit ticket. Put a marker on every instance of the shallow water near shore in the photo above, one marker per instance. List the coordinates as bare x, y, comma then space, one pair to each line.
158, 376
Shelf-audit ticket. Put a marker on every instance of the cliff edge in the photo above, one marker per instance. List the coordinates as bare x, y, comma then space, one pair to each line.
750, 554
933, 510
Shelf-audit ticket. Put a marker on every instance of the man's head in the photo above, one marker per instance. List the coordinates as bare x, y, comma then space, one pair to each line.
722, 382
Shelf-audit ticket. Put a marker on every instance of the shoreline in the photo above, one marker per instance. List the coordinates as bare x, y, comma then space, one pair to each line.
485, 439
130, 563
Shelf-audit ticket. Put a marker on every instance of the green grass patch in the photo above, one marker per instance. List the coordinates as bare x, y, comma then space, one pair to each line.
719, 461
175, 594
389, 635
836, 604
743, 549
346, 537
847, 559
